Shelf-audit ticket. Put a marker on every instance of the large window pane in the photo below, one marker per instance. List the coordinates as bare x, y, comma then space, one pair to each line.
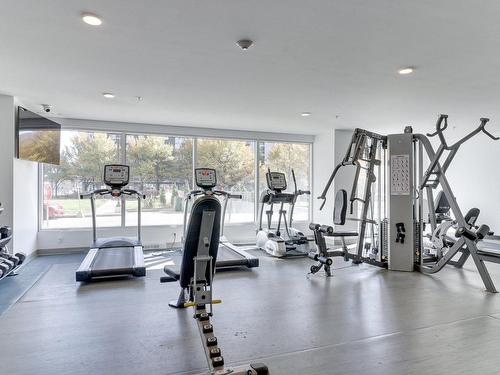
162, 168
83, 156
234, 162
283, 157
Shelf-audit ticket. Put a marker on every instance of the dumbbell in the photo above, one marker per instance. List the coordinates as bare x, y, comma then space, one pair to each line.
14, 259
5, 265
21, 256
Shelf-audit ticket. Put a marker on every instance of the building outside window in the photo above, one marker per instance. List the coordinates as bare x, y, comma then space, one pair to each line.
162, 167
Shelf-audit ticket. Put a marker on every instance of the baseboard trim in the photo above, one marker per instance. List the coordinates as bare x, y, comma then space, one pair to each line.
62, 251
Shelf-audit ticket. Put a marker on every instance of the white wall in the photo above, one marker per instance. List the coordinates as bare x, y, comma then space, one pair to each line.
474, 176
151, 236
18, 185
345, 176
323, 164
7, 142
25, 206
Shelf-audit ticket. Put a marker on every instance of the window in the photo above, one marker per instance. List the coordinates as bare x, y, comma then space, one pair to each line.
83, 156
234, 162
283, 157
161, 168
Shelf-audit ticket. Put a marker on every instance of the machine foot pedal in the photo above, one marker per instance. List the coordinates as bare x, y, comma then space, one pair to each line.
215, 352
212, 341
208, 328
203, 317
218, 361
260, 368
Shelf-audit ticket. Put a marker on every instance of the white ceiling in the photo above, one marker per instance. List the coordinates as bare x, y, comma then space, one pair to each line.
336, 59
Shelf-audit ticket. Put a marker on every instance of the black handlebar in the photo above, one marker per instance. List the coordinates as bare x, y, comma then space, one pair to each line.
215, 192
442, 124
134, 192
483, 129
442, 119
108, 191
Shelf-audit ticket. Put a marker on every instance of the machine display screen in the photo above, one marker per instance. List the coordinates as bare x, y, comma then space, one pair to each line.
205, 177
276, 181
116, 174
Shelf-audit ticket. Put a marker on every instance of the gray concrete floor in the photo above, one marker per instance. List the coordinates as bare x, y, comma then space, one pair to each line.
362, 320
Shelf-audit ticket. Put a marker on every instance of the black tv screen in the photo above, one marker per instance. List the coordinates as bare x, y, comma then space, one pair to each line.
38, 138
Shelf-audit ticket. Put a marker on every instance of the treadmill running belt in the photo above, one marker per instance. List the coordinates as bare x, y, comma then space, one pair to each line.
227, 254
227, 257
114, 258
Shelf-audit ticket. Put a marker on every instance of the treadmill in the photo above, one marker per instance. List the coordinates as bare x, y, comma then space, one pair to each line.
229, 255
113, 256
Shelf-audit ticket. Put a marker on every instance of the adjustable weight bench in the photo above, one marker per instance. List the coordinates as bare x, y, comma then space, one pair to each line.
323, 254
196, 278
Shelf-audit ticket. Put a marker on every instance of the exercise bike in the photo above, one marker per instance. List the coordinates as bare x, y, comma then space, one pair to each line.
290, 242
197, 271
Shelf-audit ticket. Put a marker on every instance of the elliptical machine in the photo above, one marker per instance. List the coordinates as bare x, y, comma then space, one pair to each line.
197, 271
291, 242
9, 262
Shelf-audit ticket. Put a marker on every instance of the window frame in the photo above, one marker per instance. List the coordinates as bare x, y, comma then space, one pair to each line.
148, 132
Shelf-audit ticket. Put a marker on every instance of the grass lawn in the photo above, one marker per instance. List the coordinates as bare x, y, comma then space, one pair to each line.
73, 206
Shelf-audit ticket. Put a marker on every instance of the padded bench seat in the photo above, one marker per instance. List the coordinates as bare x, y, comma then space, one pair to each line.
342, 234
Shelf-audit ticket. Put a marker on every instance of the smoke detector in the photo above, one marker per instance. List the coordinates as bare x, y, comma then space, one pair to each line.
244, 44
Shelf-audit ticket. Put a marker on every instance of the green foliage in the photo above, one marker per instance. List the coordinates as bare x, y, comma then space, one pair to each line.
158, 160
148, 157
163, 198
233, 161
39, 146
83, 160
175, 194
149, 202
180, 167
178, 204
88, 153
282, 157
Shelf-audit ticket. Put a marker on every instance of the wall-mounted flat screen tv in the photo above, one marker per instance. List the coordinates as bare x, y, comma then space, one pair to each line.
38, 138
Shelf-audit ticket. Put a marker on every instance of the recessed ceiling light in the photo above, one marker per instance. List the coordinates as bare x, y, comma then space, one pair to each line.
405, 71
108, 95
305, 114
91, 19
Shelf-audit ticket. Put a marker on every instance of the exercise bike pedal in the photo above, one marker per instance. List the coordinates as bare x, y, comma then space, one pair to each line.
218, 361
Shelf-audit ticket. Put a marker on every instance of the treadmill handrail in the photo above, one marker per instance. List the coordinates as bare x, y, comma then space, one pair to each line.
134, 192
101, 192
194, 193
95, 192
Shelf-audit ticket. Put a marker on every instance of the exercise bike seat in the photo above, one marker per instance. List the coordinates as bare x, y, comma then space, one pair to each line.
329, 231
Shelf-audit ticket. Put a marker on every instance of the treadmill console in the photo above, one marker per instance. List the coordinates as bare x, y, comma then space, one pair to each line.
276, 181
116, 176
206, 178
